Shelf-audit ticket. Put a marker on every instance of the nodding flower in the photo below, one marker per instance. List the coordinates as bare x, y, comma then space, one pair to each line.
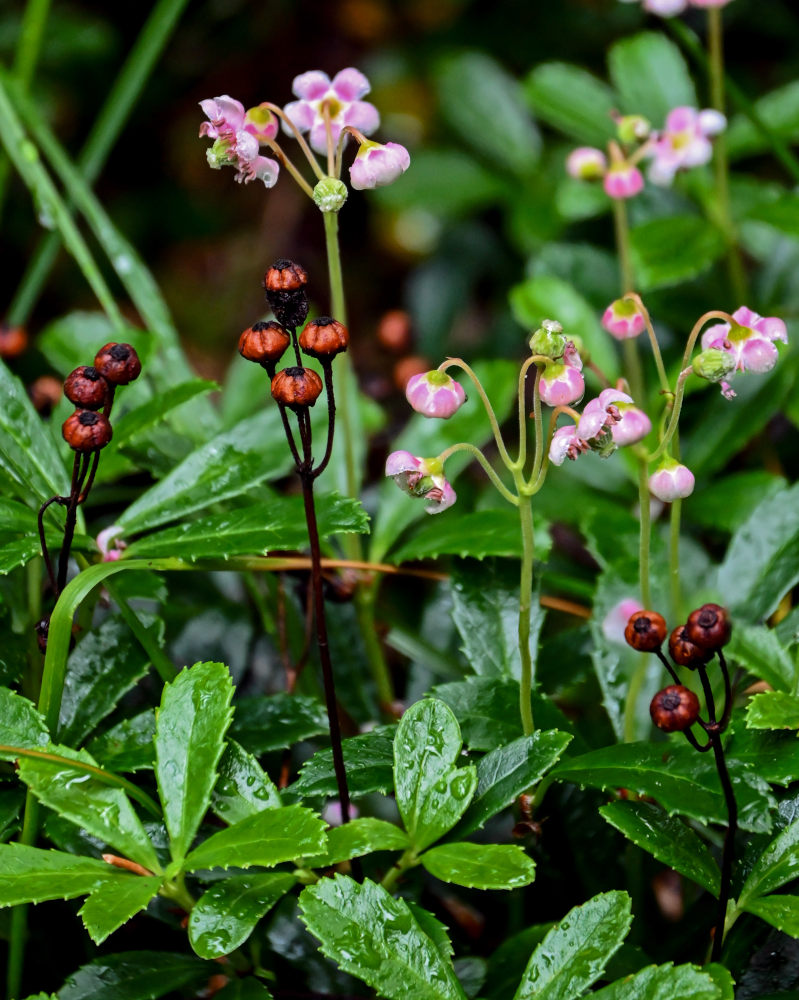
421, 477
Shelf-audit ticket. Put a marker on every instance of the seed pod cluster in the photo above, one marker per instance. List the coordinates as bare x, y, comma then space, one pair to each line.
284, 284
91, 388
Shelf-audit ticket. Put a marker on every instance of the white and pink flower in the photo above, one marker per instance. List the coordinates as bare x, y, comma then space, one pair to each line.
586, 163
615, 621
623, 180
750, 341
421, 477
623, 319
671, 481
237, 139
561, 382
376, 165
600, 414
684, 142
435, 394
632, 425
331, 103
110, 543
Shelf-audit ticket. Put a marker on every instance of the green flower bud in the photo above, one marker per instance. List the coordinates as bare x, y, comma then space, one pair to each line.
713, 364
219, 155
548, 339
330, 194
633, 128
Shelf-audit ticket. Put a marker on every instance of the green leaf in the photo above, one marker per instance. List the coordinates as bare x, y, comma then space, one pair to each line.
189, 739
575, 952
479, 533
432, 793
443, 182
480, 866
265, 723
663, 982
32, 875
265, 838
484, 105
779, 109
114, 903
665, 838
777, 865
781, 912
103, 666
101, 809
360, 836
773, 754
673, 249
506, 772
759, 650
127, 746
725, 503
137, 975
773, 710
376, 938
369, 760
573, 101
226, 914
134, 423
249, 988
782, 214
243, 788
651, 76
20, 725
681, 780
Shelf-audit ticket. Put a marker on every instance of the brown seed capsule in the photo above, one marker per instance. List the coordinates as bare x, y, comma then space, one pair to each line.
684, 652
264, 343
674, 708
394, 331
709, 627
118, 363
13, 341
45, 393
296, 387
324, 338
285, 276
645, 631
86, 430
86, 388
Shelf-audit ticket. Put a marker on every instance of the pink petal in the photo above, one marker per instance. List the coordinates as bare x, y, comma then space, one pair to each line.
318, 136
301, 113
361, 115
312, 85
350, 84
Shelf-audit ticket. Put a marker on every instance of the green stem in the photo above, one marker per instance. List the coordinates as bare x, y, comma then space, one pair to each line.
406, 861
525, 609
653, 341
365, 598
631, 701
492, 417
487, 467
19, 924
622, 231
674, 559
646, 531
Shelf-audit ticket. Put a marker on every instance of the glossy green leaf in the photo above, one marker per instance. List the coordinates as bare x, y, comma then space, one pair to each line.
759, 650
127, 746
665, 838
672, 249
265, 723
575, 952
20, 724
114, 903
782, 214
781, 912
137, 975
369, 760
663, 982
506, 772
484, 105
772, 753
681, 780
11, 802
32, 875
773, 710
189, 739
226, 914
376, 938
573, 101
779, 109
726, 502
478, 534
651, 76
432, 793
487, 709
775, 866
15, 552
265, 838
103, 666
243, 788
480, 866
134, 423
248, 988
101, 809
360, 836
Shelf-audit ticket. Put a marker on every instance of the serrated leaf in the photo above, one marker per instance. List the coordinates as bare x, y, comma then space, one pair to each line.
506, 772
113, 904
681, 780
663, 982
673, 249
226, 914
20, 724
478, 534
32, 875
573, 101
189, 739
136, 975
773, 754
650, 76
243, 788
777, 865
759, 650
725, 503
369, 760
480, 866
781, 912
266, 839
575, 952
273, 722
127, 746
360, 836
432, 793
665, 838
773, 710
135, 422
376, 938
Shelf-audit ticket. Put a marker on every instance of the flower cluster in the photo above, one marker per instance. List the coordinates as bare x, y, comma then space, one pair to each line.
421, 477
748, 344
610, 421
669, 8
238, 136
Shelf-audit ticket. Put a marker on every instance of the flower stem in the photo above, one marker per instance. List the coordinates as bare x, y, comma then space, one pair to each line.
489, 470
674, 558
492, 417
646, 531
525, 608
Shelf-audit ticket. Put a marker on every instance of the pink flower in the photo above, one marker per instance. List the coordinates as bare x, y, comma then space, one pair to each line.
421, 477
110, 543
261, 122
671, 481
376, 165
562, 382
338, 101
623, 180
750, 342
236, 140
632, 426
586, 163
600, 414
597, 428
623, 319
566, 444
684, 142
435, 394
615, 621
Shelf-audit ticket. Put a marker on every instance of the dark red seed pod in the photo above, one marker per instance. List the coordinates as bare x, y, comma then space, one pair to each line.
118, 363
324, 338
674, 708
296, 387
285, 276
709, 627
645, 631
13, 341
264, 342
684, 652
86, 430
394, 331
86, 388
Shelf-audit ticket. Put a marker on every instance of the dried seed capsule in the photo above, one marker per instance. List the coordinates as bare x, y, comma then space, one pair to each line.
684, 652
13, 341
45, 393
296, 387
284, 284
674, 708
86, 388
264, 342
394, 331
645, 631
285, 276
118, 363
709, 627
324, 338
86, 430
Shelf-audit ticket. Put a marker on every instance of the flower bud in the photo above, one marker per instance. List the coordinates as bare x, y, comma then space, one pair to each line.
377, 164
623, 181
709, 627
561, 384
435, 394
549, 340
86, 388
684, 652
324, 338
586, 163
674, 709
296, 387
260, 122
671, 481
86, 430
714, 364
623, 319
118, 363
330, 194
633, 425
264, 342
645, 631
633, 128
